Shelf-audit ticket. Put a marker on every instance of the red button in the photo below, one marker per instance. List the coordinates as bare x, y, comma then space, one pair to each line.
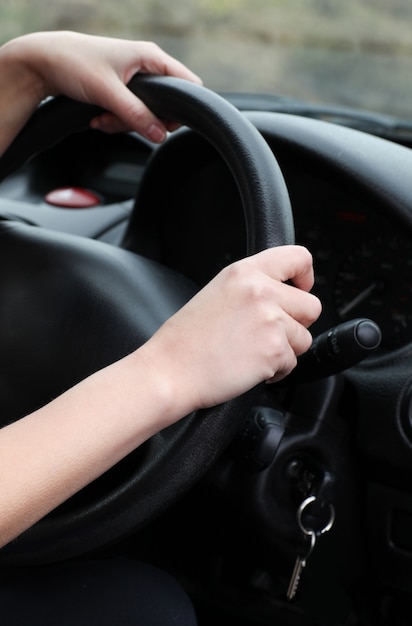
72, 198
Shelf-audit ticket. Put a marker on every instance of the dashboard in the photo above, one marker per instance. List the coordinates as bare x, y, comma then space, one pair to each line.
363, 261
362, 257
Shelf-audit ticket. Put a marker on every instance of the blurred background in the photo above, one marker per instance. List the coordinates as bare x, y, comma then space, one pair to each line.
354, 53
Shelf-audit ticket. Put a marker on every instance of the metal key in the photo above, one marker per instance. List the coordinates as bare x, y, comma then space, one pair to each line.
307, 544
300, 563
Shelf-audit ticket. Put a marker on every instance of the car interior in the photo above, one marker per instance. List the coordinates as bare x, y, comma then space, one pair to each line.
291, 504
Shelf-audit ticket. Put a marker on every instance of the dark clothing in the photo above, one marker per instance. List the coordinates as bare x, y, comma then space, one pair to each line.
117, 592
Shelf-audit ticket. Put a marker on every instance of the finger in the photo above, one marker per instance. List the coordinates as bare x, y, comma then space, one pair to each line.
298, 340
126, 111
109, 123
288, 333
284, 359
288, 263
300, 305
117, 99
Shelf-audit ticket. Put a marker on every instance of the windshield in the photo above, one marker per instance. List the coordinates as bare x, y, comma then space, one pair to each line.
352, 53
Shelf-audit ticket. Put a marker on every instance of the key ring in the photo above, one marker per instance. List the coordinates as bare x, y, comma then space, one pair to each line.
309, 531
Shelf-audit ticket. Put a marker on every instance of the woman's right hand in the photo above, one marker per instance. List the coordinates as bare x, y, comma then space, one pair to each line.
248, 325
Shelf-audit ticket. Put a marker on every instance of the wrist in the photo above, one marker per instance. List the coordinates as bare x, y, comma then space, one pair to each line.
20, 58
21, 89
156, 372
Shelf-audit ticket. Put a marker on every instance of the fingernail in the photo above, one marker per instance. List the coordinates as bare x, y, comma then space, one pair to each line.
156, 133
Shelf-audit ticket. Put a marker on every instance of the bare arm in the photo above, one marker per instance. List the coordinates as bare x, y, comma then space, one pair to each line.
194, 360
245, 327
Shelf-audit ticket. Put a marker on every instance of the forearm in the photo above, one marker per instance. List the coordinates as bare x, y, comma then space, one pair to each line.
51, 454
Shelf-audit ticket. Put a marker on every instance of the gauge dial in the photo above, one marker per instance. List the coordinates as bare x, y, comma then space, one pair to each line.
375, 281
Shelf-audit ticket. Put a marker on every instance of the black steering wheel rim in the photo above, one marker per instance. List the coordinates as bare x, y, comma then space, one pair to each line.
175, 459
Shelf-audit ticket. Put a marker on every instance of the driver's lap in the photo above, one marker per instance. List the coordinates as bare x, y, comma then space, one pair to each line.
109, 592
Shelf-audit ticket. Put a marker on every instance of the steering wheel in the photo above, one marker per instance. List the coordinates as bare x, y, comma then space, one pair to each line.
71, 305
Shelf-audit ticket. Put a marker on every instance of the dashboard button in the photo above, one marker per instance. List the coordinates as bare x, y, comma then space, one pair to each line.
73, 198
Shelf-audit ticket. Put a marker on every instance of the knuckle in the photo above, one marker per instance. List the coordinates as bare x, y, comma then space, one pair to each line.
279, 349
240, 276
305, 258
150, 46
233, 271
